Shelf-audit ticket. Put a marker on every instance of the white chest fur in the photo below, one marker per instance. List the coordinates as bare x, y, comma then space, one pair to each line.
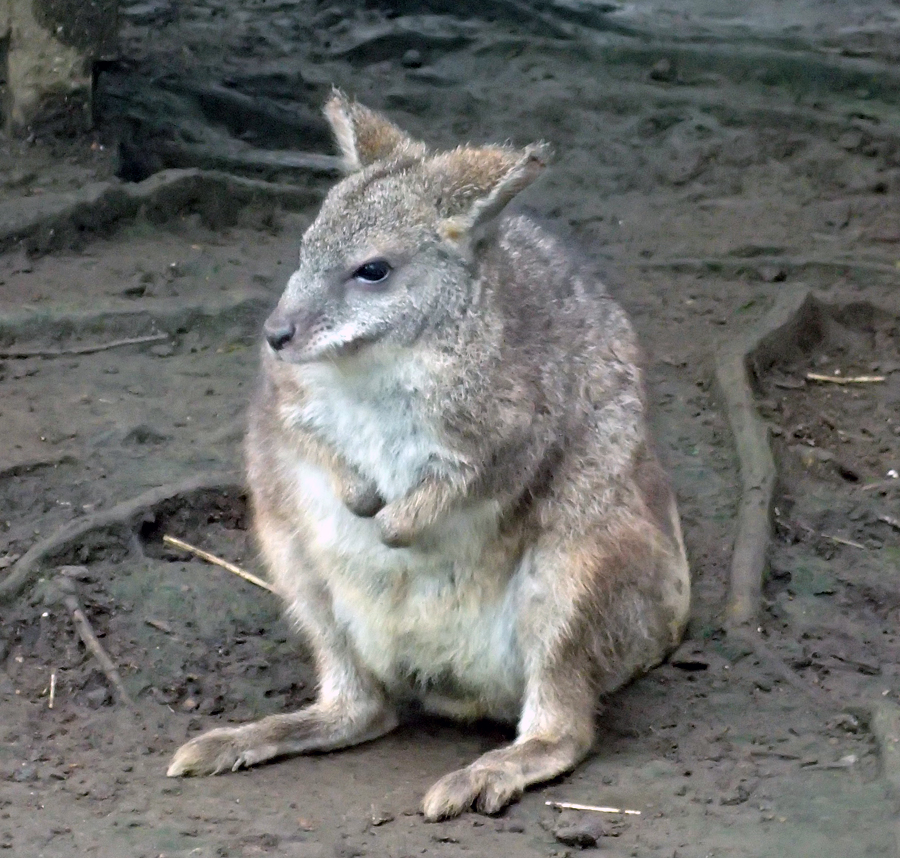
370, 414
436, 620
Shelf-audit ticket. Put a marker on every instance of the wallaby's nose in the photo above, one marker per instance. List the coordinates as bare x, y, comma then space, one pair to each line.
279, 332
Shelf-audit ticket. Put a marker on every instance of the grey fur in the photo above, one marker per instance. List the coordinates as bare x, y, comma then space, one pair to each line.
453, 483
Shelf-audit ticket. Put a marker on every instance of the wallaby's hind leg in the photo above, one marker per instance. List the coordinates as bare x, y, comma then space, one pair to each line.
593, 621
555, 733
316, 728
556, 725
350, 707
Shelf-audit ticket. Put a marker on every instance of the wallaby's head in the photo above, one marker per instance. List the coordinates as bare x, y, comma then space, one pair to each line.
391, 253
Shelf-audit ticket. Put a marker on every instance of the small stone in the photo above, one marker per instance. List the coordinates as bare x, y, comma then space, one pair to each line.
663, 70
771, 273
144, 434
847, 722
25, 773
444, 838
79, 573
98, 697
739, 795
850, 140
162, 350
378, 816
412, 59
583, 834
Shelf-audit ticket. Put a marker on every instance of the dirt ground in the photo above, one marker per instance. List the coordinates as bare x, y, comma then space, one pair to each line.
707, 161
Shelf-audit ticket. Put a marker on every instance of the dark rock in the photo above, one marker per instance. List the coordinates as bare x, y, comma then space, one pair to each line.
663, 70
412, 59
584, 834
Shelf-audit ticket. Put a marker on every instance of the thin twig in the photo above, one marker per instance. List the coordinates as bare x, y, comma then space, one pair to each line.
218, 561
881, 484
569, 805
52, 690
160, 625
86, 633
840, 379
841, 541
82, 350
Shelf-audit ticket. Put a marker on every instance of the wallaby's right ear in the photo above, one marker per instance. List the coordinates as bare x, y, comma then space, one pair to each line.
365, 136
476, 183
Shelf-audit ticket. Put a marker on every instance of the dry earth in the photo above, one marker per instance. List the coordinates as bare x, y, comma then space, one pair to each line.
707, 160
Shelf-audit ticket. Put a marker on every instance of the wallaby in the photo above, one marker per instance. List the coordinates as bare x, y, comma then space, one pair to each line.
452, 480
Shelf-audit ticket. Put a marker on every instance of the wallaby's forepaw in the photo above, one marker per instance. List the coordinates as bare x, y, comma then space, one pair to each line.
397, 527
222, 750
362, 498
487, 788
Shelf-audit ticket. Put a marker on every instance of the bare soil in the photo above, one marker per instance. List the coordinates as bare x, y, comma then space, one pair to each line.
706, 160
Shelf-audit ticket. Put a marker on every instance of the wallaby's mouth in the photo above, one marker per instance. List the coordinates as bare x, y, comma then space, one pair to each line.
297, 337
320, 345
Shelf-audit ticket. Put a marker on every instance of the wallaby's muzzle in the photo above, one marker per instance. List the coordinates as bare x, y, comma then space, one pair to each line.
290, 333
278, 331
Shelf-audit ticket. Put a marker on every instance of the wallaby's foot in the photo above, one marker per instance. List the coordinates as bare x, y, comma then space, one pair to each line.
221, 750
316, 728
499, 777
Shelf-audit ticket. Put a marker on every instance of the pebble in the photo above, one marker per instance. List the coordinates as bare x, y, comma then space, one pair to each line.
663, 70
377, 816
25, 774
412, 59
583, 834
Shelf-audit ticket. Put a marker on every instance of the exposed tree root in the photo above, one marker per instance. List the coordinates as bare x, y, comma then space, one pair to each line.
125, 515
884, 722
793, 320
42, 224
82, 350
90, 640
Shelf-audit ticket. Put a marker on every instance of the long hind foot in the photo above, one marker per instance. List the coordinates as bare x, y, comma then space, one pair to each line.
317, 728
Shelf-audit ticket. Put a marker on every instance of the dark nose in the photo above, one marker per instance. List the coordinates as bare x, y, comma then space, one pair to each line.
279, 332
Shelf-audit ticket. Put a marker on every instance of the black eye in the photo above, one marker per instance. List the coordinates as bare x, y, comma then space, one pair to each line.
375, 271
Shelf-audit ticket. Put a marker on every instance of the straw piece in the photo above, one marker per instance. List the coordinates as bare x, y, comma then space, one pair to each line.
218, 561
568, 805
839, 379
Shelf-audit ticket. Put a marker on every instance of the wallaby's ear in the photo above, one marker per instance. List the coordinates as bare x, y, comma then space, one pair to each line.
475, 184
365, 136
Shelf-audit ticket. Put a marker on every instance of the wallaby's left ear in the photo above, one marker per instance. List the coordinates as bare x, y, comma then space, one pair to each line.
475, 184
365, 136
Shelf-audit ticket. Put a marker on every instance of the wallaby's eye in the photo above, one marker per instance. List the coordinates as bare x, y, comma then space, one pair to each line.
376, 271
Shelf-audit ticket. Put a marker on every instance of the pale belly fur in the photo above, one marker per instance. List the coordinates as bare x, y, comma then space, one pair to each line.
435, 621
